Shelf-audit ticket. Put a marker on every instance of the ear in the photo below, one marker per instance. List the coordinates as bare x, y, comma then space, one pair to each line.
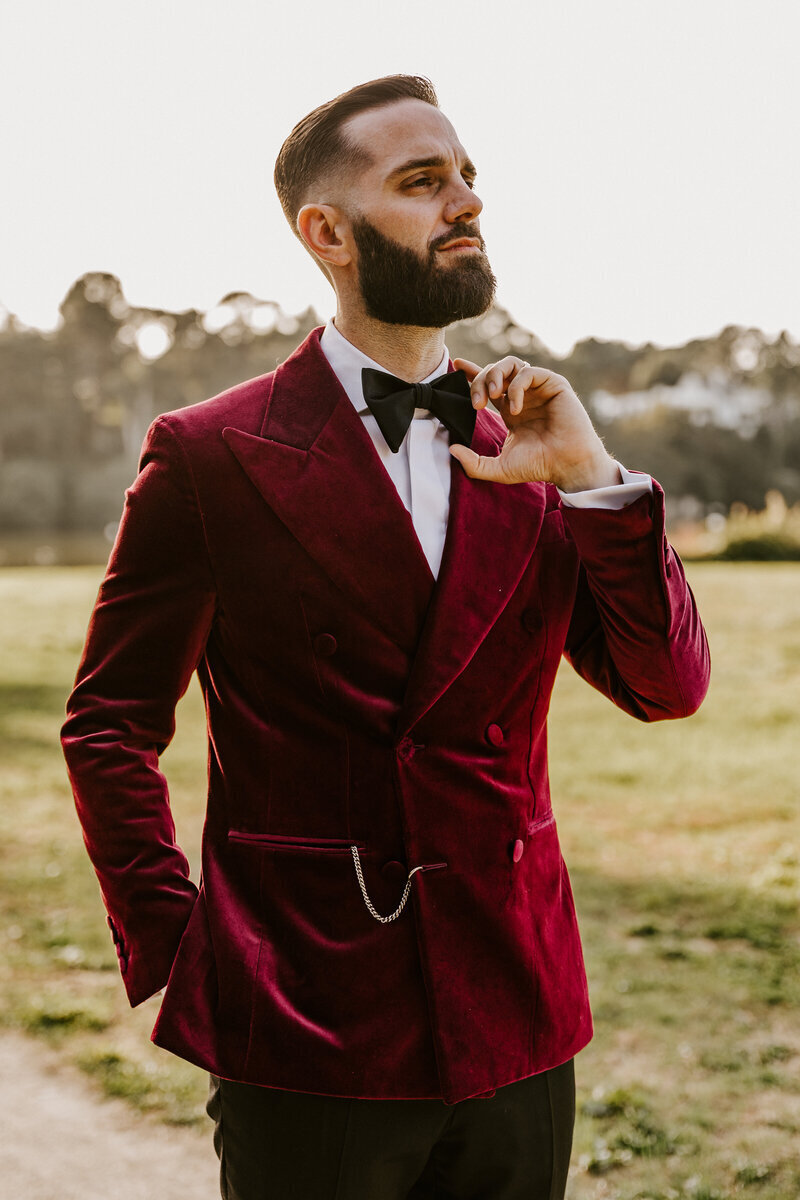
323, 228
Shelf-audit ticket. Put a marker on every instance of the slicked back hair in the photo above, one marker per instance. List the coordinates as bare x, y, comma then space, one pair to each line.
318, 146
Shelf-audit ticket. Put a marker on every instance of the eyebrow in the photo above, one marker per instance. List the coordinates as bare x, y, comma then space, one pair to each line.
435, 160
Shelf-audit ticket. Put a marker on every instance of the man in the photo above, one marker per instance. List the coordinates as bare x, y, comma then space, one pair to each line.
375, 578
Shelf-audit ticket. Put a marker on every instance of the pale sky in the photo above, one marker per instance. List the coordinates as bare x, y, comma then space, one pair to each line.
638, 161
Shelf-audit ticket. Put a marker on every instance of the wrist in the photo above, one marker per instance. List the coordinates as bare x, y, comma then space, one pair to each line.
598, 472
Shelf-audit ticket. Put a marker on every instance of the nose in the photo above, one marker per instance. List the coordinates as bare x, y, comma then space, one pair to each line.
464, 204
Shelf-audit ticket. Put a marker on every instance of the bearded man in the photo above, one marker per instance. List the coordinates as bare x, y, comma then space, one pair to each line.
375, 578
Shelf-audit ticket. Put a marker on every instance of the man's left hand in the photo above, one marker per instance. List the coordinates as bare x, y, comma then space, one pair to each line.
550, 436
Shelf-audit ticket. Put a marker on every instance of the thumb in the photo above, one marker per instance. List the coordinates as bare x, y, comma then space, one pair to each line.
478, 466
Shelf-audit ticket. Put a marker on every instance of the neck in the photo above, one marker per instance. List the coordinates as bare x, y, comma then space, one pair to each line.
411, 352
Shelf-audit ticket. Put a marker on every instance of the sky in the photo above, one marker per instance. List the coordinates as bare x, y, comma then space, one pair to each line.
638, 161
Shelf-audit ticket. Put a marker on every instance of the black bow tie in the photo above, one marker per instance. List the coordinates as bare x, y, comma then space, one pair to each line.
392, 402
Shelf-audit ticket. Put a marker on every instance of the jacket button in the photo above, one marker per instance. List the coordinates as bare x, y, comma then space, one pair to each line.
394, 872
405, 748
532, 619
325, 644
495, 735
517, 850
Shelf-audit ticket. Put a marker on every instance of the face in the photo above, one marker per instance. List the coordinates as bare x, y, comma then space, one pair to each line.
413, 217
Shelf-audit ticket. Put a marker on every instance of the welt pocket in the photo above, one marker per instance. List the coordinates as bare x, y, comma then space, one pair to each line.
279, 841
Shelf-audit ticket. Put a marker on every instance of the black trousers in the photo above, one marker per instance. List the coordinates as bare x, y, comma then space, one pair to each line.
278, 1145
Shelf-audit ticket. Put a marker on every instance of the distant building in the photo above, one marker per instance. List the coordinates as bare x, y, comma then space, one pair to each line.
713, 399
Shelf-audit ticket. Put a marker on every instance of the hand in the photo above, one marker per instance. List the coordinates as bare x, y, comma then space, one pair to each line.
550, 437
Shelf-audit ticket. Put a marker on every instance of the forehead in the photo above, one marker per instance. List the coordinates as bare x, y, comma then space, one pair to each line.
399, 132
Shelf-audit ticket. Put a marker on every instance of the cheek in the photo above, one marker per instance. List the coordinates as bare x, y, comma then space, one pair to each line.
414, 224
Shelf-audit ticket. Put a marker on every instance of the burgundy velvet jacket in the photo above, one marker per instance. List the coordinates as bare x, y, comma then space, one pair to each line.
352, 700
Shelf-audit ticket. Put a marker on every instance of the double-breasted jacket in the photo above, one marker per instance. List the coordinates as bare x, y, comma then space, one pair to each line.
354, 701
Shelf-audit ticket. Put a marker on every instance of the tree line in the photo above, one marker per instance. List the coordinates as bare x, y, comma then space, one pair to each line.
75, 402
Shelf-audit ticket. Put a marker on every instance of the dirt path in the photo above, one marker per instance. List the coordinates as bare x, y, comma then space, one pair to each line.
60, 1142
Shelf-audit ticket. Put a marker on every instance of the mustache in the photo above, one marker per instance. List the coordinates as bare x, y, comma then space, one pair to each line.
458, 231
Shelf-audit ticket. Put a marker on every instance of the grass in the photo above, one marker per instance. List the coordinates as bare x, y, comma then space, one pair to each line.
58, 969
683, 840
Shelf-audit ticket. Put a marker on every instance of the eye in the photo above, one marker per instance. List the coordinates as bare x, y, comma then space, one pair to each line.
423, 179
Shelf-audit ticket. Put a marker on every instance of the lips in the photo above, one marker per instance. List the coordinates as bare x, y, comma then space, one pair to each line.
462, 244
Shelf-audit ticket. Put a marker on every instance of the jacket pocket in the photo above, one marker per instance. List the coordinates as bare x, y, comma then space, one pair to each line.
279, 841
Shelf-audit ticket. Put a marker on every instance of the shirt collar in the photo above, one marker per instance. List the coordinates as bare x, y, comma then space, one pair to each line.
346, 362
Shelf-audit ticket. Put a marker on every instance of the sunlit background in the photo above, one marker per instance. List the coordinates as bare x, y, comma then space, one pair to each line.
637, 161
639, 170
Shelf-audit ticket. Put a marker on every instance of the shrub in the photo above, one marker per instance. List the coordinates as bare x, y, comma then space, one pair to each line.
769, 546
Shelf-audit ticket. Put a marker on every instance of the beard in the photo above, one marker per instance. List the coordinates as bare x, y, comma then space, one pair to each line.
401, 287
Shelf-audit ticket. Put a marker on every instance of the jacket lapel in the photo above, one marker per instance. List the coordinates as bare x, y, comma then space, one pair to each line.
491, 533
315, 465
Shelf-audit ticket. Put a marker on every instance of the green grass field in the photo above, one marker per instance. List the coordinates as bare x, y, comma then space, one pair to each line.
683, 841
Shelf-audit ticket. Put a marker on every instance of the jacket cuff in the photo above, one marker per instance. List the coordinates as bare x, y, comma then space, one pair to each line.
146, 968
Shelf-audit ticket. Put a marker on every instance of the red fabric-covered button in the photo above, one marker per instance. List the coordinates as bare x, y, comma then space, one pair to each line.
518, 850
325, 644
394, 872
405, 748
495, 735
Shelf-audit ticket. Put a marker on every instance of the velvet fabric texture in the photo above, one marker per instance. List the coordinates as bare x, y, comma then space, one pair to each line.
353, 700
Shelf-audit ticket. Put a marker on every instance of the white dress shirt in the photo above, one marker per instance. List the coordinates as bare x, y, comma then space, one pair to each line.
420, 470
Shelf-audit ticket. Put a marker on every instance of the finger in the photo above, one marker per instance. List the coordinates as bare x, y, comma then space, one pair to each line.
550, 383
490, 383
515, 392
532, 388
477, 388
477, 466
495, 382
470, 369
500, 372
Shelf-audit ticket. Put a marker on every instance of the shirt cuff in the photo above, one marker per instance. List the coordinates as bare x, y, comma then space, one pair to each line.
619, 495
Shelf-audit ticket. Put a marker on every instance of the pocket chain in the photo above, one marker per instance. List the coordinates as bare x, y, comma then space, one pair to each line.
370, 906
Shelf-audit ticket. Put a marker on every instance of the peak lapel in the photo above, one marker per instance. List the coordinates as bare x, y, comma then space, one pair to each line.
315, 465
491, 533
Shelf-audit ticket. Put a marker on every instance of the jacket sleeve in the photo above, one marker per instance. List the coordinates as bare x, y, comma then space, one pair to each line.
146, 635
635, 633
